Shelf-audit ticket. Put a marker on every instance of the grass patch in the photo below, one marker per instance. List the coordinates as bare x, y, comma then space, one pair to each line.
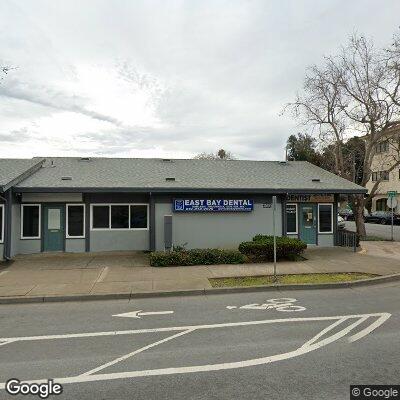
289, 279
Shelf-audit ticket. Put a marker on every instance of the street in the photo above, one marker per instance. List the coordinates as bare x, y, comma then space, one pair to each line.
381, 231
266, 345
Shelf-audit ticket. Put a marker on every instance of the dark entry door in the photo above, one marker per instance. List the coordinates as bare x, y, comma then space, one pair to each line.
308, 223
53, 228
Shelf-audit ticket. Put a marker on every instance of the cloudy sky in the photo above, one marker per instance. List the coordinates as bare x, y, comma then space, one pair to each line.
165, 78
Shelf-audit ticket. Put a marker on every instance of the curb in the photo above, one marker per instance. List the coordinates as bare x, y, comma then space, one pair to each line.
196, 292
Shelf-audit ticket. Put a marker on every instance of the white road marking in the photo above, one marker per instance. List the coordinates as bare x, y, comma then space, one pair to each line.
324, 331
138, 314
311, 345
126, 356
284, 304
384, 317
184, 328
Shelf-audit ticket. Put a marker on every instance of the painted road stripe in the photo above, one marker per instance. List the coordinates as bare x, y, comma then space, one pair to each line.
184, 328
231, 365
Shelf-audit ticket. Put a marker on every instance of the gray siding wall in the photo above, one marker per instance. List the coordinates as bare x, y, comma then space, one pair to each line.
224, 230
75, 245
119, 240
326, 240
1, 251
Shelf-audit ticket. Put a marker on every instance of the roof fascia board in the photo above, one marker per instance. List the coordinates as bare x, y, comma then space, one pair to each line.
185, 190
24, 175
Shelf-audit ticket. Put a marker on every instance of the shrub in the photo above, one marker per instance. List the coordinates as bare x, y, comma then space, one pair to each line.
262, 248
196, 257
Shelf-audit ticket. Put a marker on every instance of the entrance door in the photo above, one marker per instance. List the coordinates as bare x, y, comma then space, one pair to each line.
308, 223
53, 228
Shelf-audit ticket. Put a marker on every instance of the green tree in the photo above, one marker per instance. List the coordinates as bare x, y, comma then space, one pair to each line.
303, 147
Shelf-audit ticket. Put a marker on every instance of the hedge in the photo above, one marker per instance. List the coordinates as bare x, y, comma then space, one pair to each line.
196, 257
262, 248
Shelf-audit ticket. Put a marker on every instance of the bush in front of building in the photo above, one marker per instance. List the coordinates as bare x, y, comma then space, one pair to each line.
196, 257
262, 248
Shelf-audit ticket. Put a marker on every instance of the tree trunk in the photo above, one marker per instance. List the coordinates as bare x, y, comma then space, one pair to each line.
358, 210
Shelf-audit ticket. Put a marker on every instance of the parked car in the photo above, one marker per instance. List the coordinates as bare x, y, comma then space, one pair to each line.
341, 222
382, 217
346, 214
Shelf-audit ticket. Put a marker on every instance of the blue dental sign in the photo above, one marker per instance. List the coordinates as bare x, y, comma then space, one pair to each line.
213, 205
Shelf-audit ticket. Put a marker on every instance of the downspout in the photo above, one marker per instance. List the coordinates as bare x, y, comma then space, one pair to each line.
7, 225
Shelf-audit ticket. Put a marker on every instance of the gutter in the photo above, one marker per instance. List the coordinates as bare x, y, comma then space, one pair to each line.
43, 189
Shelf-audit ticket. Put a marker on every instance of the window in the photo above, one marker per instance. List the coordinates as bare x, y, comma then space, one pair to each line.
101, 217
75, 220
1, 223
30, 221
325, 218
291, 218
382, 175
381, 205
382, 147
120, 216
139, 217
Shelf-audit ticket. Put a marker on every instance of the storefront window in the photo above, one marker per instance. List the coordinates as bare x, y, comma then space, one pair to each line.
101, 217
30, 221
120, 216
291, 218
325, 218
75, 220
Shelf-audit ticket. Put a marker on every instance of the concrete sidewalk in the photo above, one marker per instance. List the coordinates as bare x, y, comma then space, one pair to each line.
130, 273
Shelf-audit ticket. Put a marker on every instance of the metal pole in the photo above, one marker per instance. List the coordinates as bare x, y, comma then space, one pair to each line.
391, 204
273, 225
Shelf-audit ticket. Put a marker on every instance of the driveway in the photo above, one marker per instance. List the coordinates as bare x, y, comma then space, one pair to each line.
380, 231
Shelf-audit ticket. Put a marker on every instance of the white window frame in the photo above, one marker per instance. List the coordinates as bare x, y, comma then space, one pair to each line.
297, 219
2, 208
319, 230
22, 221
109, 216
66, 220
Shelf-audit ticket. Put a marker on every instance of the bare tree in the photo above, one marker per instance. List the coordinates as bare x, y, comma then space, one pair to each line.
4, 71
353, 93
221, 154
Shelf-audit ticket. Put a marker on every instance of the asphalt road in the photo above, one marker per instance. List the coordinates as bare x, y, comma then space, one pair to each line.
207, 347
382, 231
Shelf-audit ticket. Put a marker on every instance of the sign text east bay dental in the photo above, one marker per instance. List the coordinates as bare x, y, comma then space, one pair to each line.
213, 205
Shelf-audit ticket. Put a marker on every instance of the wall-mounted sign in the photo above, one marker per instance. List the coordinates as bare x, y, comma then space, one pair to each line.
213, 205
310, 198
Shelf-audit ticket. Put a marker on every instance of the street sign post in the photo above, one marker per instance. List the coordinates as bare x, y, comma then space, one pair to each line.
392, 193
274, 233
392, 204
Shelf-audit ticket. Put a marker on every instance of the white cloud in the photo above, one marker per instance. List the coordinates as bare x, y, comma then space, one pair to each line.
165, 78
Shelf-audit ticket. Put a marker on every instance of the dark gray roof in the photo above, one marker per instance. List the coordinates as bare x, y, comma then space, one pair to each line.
12, 170
192, 174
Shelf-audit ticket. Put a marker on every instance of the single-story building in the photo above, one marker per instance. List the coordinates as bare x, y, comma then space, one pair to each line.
103, 204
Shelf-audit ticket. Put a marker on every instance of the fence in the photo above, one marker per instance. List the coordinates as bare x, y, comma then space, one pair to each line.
346, 238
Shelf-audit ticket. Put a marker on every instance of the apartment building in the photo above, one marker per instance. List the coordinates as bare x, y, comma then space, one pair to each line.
387, 153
